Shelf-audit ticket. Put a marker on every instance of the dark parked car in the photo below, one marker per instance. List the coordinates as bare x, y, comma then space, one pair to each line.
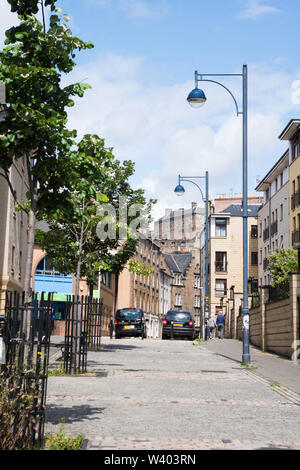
130, 322
178, 323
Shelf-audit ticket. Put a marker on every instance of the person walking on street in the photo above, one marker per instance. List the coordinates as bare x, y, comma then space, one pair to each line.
220, 325
211, 325
111, 327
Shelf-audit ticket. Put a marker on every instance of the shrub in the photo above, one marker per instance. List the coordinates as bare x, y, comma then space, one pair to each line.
18, 420
61, 441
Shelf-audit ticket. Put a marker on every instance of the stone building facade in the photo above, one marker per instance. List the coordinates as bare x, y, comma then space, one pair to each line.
225, 261
13, 229
273, 216
150, 292
291, 134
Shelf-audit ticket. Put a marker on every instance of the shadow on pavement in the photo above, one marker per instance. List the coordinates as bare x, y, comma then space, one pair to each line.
228, 357
73, 414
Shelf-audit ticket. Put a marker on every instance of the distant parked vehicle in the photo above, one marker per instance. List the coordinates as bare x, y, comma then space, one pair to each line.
178, 323
130, 322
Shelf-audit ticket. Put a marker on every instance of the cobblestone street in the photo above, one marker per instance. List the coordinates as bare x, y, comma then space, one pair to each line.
156, 394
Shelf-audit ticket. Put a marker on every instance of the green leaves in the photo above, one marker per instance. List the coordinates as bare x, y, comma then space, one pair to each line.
29, 7
281, 264
136, 266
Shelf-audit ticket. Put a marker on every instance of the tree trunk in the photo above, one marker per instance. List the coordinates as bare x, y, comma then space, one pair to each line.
116, 294
29, 261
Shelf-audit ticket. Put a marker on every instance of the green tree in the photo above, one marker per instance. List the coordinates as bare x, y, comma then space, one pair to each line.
74, 240
281, 264
35, 127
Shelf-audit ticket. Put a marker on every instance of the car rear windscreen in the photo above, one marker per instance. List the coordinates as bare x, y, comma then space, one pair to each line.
128, 314
178, 316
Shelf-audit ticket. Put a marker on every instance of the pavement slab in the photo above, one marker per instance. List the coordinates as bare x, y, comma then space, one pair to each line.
177, 395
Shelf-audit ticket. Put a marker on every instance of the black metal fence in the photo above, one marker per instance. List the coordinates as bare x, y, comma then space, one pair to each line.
24, 370
82, 332
25, 332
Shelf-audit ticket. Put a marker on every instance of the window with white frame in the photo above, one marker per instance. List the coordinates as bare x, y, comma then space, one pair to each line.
197, 301
197, 281
177, 300
221, 285
220, 227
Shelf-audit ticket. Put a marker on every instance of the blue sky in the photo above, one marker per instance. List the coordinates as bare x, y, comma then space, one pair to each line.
142, 68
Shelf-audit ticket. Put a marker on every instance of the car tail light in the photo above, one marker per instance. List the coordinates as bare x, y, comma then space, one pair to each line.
116, 322
190, 323
164, 322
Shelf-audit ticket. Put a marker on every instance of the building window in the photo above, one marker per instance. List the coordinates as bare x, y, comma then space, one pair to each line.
177, 279
221, 228
221, 261
281, 211
254, 231
13, 255
221, 287
197, 281
197, 301
46, 268
177, 300
254, 258
253, 286
20, 263
295, 150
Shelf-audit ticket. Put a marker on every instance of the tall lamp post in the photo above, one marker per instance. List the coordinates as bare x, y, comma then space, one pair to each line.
179, 190
197, 98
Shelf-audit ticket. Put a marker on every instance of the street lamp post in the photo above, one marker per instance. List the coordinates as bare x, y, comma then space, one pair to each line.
179, 190
197, 98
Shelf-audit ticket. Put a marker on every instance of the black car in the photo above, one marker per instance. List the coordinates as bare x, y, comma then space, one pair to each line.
178, 323
130, 322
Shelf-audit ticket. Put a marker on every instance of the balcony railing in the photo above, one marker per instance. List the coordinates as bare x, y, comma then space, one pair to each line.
295, 200
296, 237
266, 234
274, 228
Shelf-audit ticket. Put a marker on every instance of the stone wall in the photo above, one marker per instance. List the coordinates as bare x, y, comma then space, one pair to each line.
279, 327
274, 326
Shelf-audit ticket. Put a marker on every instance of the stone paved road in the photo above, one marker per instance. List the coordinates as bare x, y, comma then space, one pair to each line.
156, 394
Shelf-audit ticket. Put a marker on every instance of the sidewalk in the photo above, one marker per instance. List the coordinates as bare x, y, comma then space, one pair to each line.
55, 352
156, 394
270, 366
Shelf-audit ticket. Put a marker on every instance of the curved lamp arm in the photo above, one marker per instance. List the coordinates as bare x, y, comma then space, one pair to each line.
190, 181
221, 84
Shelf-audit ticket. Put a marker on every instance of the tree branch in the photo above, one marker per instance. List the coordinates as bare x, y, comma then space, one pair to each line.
13, 192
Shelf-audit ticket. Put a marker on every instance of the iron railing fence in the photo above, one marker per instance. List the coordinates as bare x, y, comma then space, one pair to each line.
82, 332
24, 370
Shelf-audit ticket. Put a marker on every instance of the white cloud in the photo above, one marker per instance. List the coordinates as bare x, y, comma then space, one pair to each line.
155, 127
255, 8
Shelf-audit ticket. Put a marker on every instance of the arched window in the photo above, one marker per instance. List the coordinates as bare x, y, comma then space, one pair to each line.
46, 268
